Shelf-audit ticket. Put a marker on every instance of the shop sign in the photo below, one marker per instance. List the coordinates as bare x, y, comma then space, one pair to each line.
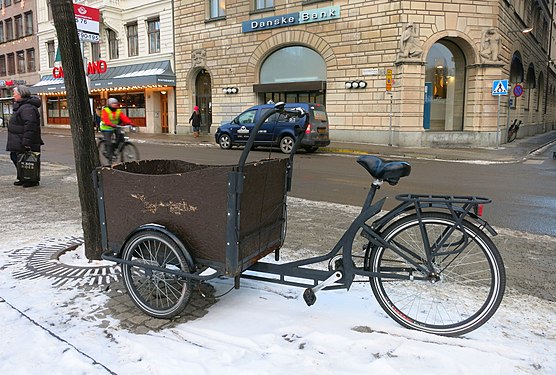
315, 15
87, 20
11, 82
94, 67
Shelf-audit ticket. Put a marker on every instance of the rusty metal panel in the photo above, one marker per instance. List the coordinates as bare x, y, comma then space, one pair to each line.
191, 200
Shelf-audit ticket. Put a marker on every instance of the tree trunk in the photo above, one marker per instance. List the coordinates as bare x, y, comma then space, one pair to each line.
81, 120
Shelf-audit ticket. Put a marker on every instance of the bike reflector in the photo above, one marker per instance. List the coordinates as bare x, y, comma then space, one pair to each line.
479, 209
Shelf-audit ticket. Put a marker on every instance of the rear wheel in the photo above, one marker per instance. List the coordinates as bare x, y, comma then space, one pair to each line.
129, 152
462, 290
225, 142
156, 293
286, 144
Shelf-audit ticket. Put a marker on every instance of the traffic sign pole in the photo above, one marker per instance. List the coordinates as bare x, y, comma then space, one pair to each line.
498, 124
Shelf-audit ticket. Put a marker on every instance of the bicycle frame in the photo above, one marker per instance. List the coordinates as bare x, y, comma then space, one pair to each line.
460, 207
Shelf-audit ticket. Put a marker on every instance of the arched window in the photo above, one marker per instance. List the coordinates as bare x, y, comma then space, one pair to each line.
293, 64
540, 93
445, 75
530, 85
293, 74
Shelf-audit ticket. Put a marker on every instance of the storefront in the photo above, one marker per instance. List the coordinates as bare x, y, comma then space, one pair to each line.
146, 93
383, 77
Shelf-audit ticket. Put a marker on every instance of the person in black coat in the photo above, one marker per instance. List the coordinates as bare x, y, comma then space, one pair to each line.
195, 121
24, 128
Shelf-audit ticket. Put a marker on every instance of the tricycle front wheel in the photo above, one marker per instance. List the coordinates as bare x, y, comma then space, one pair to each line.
156, 293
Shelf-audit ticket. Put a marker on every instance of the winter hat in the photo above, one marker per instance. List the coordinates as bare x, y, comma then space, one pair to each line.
112, 101
196, 108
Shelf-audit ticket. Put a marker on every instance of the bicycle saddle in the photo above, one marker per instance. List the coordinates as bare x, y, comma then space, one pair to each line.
389, 171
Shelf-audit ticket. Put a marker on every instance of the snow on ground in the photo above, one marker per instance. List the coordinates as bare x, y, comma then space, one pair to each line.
259, 329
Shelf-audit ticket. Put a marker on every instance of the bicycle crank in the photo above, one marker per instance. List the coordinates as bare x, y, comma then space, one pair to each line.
309, 294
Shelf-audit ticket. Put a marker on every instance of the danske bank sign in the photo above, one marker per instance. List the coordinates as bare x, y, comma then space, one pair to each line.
315, 15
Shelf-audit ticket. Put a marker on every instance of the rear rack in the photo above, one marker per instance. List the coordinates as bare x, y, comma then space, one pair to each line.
442, 199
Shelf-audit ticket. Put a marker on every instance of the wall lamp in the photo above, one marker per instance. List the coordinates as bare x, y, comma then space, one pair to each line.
230, 90
355, 85
523, 31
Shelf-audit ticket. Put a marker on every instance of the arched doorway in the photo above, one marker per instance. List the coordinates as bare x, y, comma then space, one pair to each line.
203, 99
445, 78
292, 74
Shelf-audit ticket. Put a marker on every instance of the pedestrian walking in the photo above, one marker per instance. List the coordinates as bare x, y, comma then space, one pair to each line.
195, 121
24, 128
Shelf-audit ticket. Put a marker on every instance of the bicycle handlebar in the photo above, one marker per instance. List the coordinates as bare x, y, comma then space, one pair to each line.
278, 108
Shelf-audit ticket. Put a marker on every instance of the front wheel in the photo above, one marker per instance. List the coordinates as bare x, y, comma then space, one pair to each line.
512, 135
129, 152
286, 144
462, 288
105, 158
156, 293
225, 142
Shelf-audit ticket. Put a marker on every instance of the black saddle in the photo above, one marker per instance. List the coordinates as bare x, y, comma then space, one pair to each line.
389, 171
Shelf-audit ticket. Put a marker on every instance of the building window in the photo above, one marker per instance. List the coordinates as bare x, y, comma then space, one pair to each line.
95, 51
113, 52
51, 52
132, 40
217, 8
31, 64
7, 3
49, 10
263, 4
9, 30
2, 32
3, 65
29, 23
20, 62
11, 64
445, 81
153, 31
18, 22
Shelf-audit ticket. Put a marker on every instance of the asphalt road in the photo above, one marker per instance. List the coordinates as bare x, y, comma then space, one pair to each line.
523, 194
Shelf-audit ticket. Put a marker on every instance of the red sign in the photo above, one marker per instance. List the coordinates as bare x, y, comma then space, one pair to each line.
87, 19
94, 67
518, 90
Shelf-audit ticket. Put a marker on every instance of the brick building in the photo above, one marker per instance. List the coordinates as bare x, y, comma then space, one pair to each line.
443, 57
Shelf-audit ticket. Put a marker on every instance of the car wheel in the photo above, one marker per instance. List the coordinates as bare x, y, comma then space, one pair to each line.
311, 149
225, 142
286, 144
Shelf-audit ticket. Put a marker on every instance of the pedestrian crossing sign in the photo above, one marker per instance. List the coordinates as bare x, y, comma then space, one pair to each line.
500, 87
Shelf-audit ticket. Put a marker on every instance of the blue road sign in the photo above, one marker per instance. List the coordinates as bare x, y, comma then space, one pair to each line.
500, 87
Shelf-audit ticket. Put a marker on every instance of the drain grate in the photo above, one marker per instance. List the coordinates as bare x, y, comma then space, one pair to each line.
41, 261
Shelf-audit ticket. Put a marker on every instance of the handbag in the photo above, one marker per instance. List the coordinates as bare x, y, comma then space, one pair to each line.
29, 166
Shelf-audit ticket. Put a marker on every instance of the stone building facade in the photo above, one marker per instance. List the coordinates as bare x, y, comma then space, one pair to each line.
131, 59
410, 73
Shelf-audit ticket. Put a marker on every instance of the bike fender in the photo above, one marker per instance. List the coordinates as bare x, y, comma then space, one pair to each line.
162, 229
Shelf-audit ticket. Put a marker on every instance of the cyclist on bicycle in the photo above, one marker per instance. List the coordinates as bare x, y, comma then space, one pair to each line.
110, 118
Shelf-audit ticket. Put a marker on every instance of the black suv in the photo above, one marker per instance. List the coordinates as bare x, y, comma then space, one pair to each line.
277, 130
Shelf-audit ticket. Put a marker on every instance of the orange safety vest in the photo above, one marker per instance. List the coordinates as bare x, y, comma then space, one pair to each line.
113, 116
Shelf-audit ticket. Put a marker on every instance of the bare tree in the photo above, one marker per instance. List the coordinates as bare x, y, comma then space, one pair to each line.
82, 130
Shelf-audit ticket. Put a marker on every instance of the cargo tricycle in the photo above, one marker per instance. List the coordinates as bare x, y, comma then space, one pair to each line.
171, 224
